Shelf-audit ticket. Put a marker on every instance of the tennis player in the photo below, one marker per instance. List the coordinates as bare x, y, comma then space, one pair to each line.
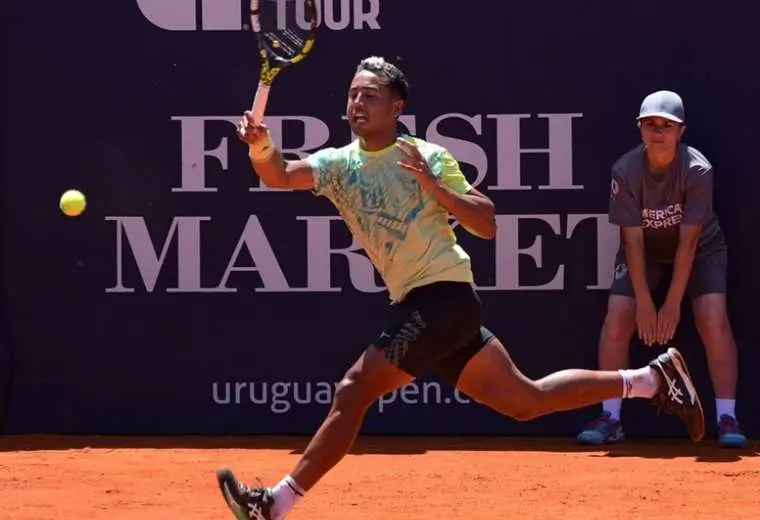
661, 196
395, 194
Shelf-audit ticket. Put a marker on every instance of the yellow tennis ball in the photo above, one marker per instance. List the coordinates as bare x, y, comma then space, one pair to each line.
73, 203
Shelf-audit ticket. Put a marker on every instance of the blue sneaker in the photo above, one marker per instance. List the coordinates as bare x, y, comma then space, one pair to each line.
729, 434
603, 430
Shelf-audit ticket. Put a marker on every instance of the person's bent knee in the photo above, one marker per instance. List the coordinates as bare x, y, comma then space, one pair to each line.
524, 406
710, 314
525, 413
714, 323
620, 321
352, 395
528, 409
532, 403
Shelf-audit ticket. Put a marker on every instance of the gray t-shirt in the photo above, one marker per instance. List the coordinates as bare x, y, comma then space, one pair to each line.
661, 201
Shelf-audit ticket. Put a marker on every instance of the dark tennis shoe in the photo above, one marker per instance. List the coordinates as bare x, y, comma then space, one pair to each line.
245, 502
677, 394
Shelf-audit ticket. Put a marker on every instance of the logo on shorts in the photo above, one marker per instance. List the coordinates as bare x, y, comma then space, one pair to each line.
406, 335
620, 271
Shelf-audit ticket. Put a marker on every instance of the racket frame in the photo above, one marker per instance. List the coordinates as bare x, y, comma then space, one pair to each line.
271, 64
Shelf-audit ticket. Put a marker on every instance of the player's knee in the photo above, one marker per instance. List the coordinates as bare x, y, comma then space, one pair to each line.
526, 407
351, 396
527, 410
526, 414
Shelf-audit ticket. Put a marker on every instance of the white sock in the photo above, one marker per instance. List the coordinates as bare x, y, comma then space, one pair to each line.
286, 495
725, 407
613, 407
640, 382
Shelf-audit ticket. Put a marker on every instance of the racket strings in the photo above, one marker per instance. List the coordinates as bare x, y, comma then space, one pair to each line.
288, 43
285, 30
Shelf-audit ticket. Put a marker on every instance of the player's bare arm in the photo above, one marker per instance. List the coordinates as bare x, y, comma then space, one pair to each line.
646, 314
267, 161
473, 210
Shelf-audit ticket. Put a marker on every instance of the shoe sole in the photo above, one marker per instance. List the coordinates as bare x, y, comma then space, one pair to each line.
680, 365
228, 486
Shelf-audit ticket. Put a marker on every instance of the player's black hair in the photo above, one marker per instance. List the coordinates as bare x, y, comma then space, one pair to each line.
394, 75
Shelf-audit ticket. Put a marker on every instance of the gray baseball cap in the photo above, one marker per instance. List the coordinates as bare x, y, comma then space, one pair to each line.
663, 103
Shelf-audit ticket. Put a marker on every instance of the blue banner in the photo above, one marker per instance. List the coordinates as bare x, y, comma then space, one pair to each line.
190, 299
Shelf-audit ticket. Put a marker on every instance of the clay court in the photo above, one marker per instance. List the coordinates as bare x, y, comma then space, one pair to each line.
88, 478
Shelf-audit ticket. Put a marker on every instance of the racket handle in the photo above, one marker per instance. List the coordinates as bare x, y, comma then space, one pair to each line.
260, 103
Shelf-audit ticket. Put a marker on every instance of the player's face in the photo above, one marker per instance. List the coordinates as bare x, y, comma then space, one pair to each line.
371, 106
661, 136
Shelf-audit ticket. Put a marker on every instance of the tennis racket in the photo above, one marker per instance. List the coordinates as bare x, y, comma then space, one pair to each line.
285, 31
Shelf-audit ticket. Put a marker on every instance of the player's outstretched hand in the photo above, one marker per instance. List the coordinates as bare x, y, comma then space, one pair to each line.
414, 162
248, 131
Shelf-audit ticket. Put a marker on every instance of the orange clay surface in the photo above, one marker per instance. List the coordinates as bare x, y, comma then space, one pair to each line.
83, 478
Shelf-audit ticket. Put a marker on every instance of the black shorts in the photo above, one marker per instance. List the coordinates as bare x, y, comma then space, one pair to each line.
436, 327
708, 275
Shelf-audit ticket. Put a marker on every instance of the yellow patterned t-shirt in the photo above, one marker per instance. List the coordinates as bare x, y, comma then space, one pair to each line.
403, 229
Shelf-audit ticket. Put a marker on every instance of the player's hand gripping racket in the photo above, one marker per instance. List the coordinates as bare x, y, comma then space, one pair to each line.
285, 32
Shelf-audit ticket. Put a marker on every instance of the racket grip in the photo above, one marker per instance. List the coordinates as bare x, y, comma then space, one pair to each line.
260, 103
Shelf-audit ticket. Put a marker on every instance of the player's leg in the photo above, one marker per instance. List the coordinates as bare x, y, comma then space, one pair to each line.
491, 378
371, 377
707, 288
418, 331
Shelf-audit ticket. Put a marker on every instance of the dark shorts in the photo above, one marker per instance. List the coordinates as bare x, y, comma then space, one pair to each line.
708, 275
437, 328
